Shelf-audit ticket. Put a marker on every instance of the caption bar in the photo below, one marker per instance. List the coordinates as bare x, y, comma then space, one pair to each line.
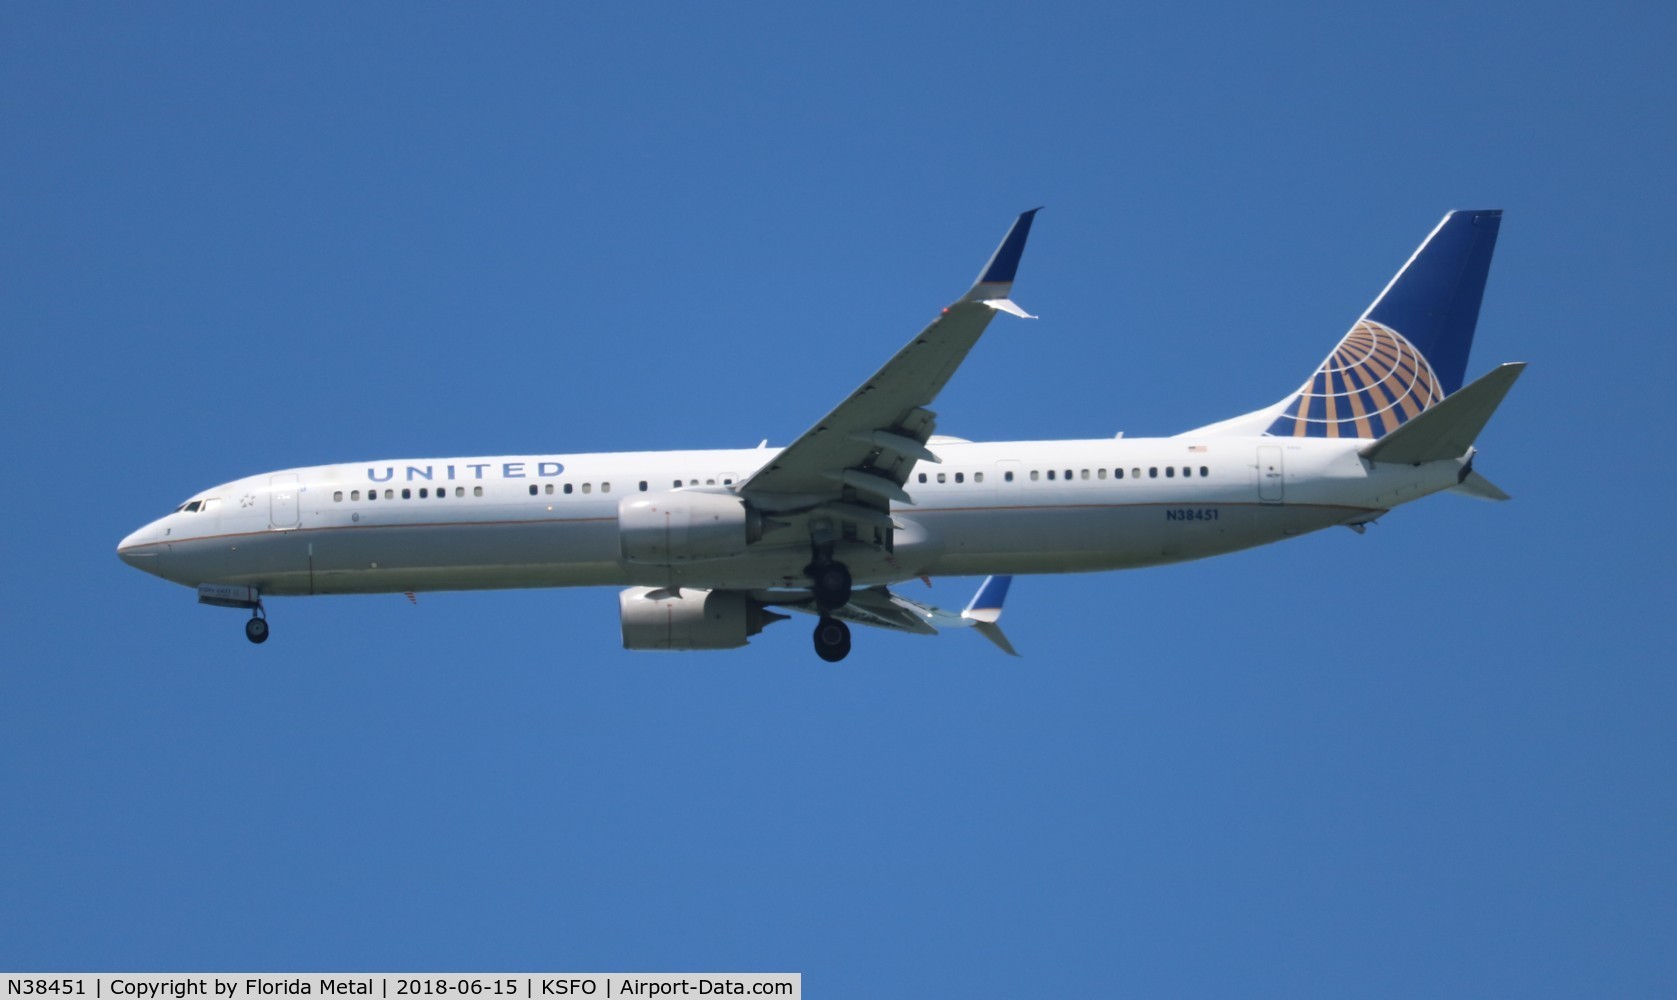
400, 986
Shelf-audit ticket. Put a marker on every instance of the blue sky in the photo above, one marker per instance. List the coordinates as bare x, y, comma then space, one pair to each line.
1435, 760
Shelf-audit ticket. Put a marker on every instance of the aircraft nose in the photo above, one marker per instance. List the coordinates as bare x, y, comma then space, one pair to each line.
136, 550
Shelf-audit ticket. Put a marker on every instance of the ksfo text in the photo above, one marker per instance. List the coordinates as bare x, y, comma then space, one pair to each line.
626, 987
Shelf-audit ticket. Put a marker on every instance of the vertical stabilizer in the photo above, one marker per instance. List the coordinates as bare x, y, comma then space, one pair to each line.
1409, 350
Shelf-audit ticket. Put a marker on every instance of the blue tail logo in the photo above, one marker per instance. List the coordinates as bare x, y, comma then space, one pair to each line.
1409, 350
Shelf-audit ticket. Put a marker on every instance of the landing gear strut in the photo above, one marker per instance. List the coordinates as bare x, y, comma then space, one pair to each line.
256, 629
829, 583
832, 639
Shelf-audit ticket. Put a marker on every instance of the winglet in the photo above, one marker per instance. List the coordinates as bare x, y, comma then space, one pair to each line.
985, 609
995, 282
986, 605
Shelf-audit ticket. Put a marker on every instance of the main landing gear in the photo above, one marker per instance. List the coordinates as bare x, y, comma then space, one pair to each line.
829, 584
832, 639
256, 629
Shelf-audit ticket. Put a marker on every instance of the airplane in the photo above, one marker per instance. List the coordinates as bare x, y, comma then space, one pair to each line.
709, 544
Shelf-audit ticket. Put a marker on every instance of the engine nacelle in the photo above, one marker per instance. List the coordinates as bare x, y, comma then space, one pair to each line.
693, 619
666, 529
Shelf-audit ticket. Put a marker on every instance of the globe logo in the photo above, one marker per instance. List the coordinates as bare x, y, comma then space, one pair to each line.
1371, 383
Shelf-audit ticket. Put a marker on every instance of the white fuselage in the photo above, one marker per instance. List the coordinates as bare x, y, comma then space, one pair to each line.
552, 520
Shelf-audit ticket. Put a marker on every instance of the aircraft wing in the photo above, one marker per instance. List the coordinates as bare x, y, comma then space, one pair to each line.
862, 451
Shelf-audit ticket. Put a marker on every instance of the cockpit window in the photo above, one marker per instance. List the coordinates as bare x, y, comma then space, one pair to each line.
192, 508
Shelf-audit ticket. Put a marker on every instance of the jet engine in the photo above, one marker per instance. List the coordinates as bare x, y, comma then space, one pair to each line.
665, 529
690, 619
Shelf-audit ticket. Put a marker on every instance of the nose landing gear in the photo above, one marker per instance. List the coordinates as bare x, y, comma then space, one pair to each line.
256, 629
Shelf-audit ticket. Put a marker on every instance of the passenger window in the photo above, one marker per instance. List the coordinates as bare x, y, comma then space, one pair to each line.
708, 482
1153, 472
605, 487
1100, 473
587, 487
1008, 476
1170, 472
677, 485
390, 494
355, 494
727, 482
1117, 473
943, 477
337, 496
407, 494
568, 488
424, 494
532, 489
1050, 475
1135, 473
960, 477
978, 477
1204, 472
547, 488
922, 477
460, 491
643, 486
1068, 475
477, 491
1033, 475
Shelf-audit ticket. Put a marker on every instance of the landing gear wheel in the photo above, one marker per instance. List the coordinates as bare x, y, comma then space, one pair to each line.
256, 630
832, 639
830, 583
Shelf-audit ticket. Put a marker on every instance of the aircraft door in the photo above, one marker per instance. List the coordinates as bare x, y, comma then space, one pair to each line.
282, 498
1270, 474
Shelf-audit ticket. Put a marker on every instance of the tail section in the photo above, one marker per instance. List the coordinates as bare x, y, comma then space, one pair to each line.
1405, 354
1409, 350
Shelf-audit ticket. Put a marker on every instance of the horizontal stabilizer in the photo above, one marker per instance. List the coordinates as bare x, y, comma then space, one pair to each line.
1448, 429
1477, 486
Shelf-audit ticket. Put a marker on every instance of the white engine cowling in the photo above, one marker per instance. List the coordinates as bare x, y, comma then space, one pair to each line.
664, 529
693, 619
